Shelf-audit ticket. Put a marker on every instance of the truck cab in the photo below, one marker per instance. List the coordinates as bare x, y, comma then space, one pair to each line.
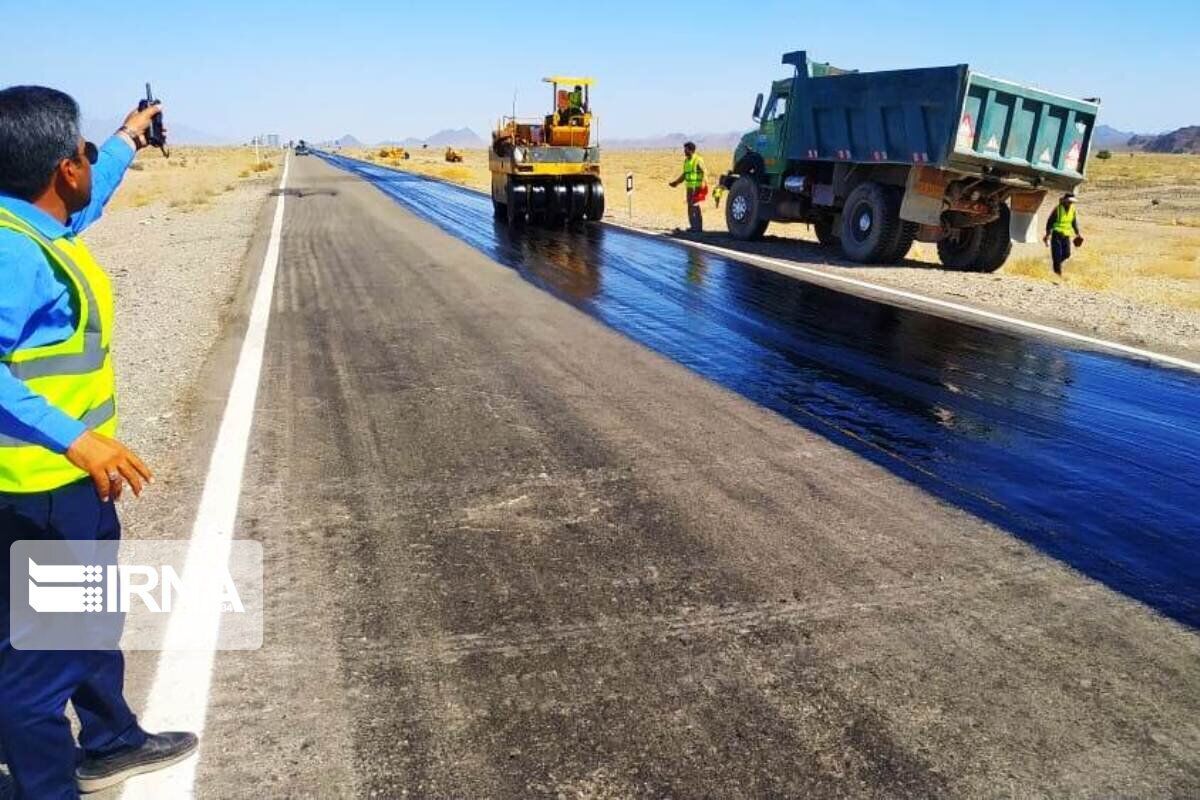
762, 150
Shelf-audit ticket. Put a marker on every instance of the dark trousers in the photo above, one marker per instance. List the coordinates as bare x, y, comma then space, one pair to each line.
1060, 250
695, 215
36, 685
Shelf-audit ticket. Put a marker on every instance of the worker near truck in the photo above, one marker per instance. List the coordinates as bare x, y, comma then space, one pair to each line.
61, 469
1061, 226
693, 178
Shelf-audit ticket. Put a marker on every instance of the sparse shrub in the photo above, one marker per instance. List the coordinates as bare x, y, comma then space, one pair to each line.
1104, 155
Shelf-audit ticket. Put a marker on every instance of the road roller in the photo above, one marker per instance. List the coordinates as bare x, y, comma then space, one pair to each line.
548, 169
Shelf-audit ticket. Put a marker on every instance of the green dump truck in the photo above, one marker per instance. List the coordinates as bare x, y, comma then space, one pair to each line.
874, 161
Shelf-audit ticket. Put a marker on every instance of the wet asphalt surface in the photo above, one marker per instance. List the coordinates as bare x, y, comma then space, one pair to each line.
521, 548
1092, 458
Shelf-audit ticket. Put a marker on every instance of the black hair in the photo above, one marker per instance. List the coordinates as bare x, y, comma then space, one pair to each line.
689, 145
39, 127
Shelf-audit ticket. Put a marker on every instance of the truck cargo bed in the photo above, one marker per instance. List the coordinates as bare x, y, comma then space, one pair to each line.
948, 117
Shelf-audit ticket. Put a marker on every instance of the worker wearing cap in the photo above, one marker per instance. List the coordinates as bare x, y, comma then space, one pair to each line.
693, 179
1062, 224
60, 466
573, 107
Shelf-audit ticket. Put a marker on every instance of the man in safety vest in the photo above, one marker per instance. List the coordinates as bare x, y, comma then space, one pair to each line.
60, 467
1061, 226
693, 179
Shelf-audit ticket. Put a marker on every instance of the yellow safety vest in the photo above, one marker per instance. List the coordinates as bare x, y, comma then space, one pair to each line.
75, 376
575, 100
691, 172
1064, 220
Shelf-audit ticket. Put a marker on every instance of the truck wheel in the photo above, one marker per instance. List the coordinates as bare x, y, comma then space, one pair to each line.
826, 235
995, 244
871, 226
742, 210
960, 250
906, 236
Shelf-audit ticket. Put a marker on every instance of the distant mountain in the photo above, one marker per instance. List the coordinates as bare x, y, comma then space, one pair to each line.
1106, 137
461, 138
97, 130
1183, 140
347, 141
672, 141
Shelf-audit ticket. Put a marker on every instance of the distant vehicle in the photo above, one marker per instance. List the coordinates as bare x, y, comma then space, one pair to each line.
302, 148
549, 168
877, 160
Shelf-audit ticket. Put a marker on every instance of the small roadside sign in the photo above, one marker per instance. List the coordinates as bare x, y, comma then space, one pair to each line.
629, 183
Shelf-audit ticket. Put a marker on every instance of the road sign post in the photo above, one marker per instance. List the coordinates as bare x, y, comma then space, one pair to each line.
629, 192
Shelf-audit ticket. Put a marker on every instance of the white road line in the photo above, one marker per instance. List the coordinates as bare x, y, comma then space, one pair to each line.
965, 310
179, 696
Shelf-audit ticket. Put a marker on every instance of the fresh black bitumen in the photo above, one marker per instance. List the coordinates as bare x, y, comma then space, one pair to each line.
1093, 458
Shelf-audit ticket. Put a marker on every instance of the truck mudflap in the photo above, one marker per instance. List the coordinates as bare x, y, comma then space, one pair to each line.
1023, 222
923, 195
924, 203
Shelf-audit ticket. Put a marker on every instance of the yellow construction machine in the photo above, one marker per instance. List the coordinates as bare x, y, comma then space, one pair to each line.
548, 169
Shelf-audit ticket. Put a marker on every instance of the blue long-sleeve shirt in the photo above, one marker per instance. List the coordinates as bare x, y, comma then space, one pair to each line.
35, 304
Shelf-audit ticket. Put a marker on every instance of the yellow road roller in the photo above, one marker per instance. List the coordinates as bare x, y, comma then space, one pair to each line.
548, 169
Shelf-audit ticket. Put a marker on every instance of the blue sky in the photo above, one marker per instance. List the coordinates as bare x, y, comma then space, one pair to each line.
388, 70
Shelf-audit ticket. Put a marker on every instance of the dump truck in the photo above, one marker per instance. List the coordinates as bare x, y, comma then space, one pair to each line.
548, 169
874, 161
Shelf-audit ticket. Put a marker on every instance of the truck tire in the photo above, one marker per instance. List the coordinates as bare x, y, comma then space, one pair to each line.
995, 243
960, 250
906, 237
984, 248
742, 210
871, 225
826, 235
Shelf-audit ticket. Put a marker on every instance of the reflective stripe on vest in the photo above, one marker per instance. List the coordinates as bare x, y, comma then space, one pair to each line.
1064, 220
74, 376
691, 172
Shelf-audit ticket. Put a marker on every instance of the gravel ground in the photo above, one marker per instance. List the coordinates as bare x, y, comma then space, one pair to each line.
174, 274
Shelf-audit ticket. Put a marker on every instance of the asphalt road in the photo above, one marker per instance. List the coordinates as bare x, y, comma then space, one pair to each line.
1093, 458
513, 553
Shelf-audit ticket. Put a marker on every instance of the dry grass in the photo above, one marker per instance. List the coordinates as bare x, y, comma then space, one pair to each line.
192, 177
1141, 217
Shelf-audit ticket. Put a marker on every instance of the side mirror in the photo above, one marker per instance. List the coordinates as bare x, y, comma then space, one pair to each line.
757, 115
